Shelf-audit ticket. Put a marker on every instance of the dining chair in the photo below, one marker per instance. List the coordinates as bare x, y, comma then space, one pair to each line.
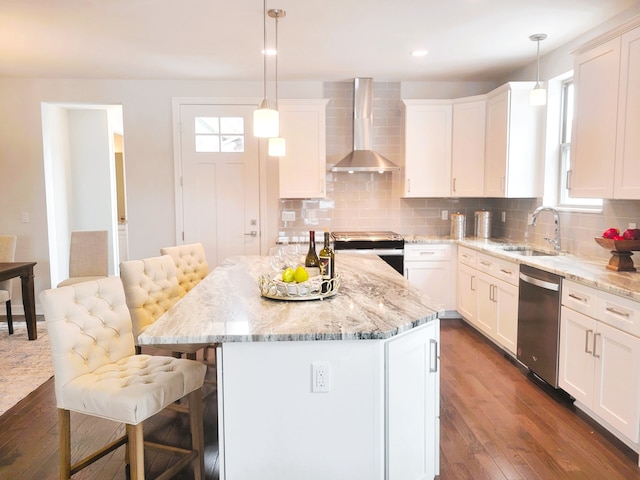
151, 288
7, 254
191, 263
88, 256
98, 373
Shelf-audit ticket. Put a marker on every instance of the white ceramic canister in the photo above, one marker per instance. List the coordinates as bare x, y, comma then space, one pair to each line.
458, 226
483, 224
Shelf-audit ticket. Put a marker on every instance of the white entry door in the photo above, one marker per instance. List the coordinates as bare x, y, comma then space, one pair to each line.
220, 170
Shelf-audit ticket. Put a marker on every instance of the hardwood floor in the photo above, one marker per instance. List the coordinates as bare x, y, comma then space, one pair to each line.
496, 423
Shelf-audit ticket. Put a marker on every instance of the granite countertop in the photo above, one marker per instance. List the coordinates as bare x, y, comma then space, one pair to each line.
588, 271
374, 302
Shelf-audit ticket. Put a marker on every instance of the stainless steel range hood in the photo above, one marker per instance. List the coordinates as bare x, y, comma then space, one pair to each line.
363, 158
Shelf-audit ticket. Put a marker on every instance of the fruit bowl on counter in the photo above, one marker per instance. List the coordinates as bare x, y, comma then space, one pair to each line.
621, 252
315, 288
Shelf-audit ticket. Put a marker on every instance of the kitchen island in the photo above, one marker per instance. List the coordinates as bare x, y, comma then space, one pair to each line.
344, 388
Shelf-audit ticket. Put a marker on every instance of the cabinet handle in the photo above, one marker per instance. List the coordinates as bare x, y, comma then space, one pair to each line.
618, 312
431, 252
568, 179
486, 264
454, 184
472, 277
320, 183
586, 342
508, 272
433, 350
578, 297
595, 338
408, 185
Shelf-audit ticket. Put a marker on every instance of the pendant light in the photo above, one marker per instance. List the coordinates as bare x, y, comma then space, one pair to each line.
538, 96
266, 121
277, 144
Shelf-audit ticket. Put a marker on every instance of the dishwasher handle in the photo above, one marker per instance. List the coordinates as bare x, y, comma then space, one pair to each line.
540, 283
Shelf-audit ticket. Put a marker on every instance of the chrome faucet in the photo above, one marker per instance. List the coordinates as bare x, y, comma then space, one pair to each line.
555, 241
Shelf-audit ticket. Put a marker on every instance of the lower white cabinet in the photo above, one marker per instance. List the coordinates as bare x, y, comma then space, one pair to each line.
413, 404
488, 296
429, 267
600, 364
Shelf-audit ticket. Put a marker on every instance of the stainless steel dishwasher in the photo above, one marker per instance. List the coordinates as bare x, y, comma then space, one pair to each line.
539, 322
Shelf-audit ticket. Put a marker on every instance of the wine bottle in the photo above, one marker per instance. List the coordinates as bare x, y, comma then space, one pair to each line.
327, 263
311, 262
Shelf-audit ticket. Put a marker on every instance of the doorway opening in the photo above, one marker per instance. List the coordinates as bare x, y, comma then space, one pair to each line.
84, 179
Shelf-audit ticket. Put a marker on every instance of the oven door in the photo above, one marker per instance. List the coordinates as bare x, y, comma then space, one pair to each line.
393, 256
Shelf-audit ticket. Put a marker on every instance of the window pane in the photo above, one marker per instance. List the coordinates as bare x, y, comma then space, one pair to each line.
232, 143
232, 125
207, 143
207, 125
568, 112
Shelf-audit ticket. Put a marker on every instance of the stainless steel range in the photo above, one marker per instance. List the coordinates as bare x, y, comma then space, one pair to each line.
389, 246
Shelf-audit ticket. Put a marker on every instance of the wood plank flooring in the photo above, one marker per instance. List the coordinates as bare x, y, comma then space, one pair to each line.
496, 423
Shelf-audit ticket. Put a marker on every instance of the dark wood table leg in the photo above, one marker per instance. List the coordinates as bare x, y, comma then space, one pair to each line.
29, 303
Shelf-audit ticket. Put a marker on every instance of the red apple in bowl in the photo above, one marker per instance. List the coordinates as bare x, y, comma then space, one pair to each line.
617, 237
611, 233
631, 234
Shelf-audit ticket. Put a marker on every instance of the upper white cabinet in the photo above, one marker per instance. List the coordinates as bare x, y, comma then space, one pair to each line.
427, 170
513, 167
302, 171
605, 146
467, 152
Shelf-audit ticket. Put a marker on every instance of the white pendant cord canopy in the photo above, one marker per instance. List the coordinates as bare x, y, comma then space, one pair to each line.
538, 96
277, 144
266, 121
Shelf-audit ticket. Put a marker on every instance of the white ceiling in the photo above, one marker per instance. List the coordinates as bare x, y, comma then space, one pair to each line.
319, 39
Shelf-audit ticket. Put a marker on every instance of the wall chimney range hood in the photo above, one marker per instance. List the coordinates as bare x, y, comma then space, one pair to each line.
363, 158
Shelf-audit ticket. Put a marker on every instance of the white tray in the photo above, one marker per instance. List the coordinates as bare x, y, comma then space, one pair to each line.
271, 286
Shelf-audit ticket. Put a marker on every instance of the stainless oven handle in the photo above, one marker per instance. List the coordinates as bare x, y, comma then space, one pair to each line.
388, 252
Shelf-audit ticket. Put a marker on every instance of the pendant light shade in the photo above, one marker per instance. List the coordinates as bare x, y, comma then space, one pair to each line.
266, 121
538, 96
277, 147
277, 144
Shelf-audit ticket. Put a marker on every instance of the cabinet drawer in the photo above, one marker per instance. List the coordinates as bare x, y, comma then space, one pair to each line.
496, 267
620, 312
467, 256
581, 298
426, 252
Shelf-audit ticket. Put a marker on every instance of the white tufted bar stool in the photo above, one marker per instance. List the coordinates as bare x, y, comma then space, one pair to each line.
191, 263
151, 288
98, 373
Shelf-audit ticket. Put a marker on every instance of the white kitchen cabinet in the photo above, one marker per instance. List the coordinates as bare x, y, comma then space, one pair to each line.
429, 267
302, 171
493, 284
627, 164
605, 145
467, 149
513, 165
427, 170
413, 404
593, 142
599, 363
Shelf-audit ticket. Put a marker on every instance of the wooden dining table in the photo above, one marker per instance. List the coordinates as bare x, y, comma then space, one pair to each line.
24, 270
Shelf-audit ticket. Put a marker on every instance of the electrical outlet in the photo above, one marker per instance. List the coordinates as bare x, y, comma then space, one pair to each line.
504, 217
320, 377
288, 216
444, 214
24, 217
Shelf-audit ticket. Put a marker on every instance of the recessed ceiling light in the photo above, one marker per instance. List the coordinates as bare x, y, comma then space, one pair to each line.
419, 53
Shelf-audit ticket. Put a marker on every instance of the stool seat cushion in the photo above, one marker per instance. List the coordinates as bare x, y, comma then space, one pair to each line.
114, 391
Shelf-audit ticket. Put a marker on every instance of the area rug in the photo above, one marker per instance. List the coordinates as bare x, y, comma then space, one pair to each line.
24, 364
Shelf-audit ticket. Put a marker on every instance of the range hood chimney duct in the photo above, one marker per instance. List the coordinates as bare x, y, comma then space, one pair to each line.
363, 158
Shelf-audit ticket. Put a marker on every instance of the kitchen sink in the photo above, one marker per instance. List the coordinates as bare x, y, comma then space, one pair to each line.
534, 253
529, 252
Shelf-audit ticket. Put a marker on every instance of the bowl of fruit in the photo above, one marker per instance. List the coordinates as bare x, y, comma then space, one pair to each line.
621, 246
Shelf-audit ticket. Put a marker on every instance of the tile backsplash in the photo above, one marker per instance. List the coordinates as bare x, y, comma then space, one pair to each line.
372, 201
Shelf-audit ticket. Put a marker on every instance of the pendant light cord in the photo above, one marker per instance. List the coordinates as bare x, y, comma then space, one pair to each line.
264, 46
538, 65
277, 55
